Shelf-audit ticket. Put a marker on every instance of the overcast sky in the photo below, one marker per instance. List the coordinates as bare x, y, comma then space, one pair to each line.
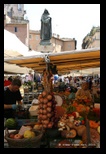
68, 20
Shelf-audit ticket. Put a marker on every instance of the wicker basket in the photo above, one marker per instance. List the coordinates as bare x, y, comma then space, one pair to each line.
24, 143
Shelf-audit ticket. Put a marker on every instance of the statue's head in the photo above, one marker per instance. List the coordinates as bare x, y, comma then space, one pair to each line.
46, 12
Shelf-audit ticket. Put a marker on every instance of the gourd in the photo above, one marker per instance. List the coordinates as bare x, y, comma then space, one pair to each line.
80, 129
93, 124
69, 133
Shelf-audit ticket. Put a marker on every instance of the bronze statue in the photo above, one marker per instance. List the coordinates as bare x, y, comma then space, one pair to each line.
46, 28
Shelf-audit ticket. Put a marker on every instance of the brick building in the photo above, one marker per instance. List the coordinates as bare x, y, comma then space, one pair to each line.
14, 21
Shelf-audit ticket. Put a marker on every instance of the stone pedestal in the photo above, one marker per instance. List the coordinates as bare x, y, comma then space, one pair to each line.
45, 48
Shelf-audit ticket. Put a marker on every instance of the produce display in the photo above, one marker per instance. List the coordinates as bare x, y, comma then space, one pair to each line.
24, 132
62, 123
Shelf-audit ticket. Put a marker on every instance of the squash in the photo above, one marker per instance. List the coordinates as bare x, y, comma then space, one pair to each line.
69, 133
93, 124
80, 129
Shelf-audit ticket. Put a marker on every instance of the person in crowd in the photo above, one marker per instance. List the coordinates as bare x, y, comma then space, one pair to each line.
12, 96
84, 91
72, 93
8, 81
62, 85
90, 83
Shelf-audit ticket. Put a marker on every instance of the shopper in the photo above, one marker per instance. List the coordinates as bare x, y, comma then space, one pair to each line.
8, 81
84, 91
11, 96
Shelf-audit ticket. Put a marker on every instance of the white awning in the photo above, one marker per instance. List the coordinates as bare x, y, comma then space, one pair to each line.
13, 68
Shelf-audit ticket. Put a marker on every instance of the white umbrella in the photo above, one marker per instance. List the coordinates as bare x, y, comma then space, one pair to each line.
13, 47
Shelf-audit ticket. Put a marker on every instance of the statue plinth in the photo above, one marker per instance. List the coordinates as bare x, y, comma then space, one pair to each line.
45, 48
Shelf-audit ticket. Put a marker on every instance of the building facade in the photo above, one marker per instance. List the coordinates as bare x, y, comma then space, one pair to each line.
60, 44
92, 39
14, 21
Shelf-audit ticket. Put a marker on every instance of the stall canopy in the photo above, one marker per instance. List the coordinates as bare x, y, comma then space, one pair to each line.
65, 61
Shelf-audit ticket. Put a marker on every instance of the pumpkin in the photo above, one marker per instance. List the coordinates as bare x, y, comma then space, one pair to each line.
80, 129
69, 133
93, 124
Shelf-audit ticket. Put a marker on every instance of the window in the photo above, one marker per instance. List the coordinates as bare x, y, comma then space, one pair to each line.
30, 36
19, 7
15, 29
37, 37
30, 48
9, 14
69, 46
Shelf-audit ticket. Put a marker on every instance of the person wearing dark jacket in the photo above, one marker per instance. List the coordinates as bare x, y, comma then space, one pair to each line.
11, 96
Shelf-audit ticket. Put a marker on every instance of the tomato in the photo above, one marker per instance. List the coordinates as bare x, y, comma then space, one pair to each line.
74, 114
11, 135
82, 122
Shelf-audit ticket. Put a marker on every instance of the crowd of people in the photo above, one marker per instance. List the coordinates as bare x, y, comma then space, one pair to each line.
77, 86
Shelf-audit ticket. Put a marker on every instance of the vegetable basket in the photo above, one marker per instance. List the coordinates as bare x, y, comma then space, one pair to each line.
23, 143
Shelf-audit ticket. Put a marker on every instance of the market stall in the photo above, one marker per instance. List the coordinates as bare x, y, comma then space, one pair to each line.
64, 123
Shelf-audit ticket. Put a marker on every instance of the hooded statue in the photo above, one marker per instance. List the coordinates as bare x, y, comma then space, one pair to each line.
46, 28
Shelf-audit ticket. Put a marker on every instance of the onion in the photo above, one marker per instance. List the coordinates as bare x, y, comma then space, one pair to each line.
40, 96
49, 115
42, 121
44, 93
40, 116
50, 124
40, 111
44, 106
49, 104
46, 122
44, 126
44, 111
41, 100
44, 117
45, 100
48, 109
49, 97
40, 105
